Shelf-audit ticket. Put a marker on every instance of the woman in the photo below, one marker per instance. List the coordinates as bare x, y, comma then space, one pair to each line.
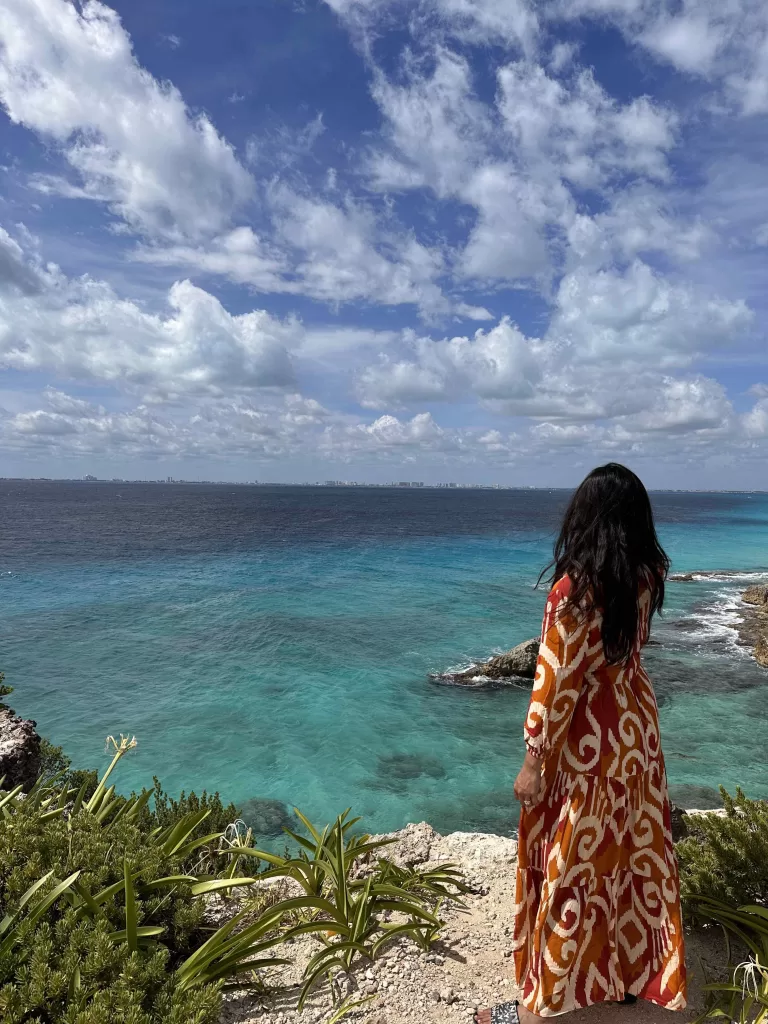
597, 915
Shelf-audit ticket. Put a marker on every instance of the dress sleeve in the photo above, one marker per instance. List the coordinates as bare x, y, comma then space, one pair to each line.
562, 664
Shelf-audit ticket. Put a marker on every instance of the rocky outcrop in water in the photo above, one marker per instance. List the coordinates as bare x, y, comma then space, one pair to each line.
754, 627
757, 595
19, 750
512, 668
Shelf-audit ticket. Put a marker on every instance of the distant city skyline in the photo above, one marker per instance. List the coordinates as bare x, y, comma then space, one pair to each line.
463, 240
341, 484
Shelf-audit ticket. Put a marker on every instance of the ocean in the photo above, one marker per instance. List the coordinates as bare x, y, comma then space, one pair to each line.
275, 643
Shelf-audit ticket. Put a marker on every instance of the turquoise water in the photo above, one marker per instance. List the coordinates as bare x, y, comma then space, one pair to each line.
276, 645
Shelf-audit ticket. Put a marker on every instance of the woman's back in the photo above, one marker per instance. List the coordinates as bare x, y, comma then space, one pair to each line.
607, 713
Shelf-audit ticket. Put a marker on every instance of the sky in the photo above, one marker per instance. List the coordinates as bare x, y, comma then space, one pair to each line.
499, 241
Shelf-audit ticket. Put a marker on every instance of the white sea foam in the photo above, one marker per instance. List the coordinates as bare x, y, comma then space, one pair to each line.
716, 577
718, 619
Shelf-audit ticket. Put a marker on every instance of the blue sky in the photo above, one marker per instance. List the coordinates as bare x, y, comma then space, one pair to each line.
474, 240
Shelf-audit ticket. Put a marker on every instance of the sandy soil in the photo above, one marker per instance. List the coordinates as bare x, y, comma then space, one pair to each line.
470, 967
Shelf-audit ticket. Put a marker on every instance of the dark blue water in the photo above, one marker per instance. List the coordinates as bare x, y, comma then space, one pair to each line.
275, 643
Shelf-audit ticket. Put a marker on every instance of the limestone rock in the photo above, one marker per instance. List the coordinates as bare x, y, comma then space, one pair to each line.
19, 750
520, 661
512, 668
753, 629
756, 595
419, 844
413, 846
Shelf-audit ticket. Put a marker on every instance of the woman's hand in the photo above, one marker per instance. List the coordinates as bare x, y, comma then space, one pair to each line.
528, 782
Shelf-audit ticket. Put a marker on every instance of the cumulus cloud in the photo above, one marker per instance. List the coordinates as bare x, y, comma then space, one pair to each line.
756, 420
500, 363
605, 328
334, 253
638, 316
580, 129
69, 74
724, 43
519, 161
82, 330
272, 428
534, 190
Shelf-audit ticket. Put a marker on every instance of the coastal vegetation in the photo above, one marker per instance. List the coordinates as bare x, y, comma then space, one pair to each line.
106, 901
147, 908
724, 881
725, 857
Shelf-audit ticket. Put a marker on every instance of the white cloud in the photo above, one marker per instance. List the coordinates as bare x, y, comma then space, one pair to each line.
550, 185
724, 43
334, 253
638, 316
579, 129
638, 222
497, 364
606, 328
696, 404
517, 162
340, 255
70, 75
513, 22
436, 128
756, 420
81, 330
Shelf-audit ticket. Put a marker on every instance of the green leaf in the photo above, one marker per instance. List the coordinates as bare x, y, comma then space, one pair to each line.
307, 825
182, 830
217, 884
9, 797
131, 922
136, 935
9, 917
195, 844
156, 883
86, 898
80, 797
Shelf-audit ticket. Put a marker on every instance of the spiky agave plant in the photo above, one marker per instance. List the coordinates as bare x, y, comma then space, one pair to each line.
351, 905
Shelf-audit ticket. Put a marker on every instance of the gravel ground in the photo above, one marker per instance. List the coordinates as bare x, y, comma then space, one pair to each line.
469, 967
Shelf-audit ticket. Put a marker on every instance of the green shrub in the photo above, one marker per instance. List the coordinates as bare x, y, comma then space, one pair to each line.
54, 764
115, 984
123, 937
101, 916
726, 858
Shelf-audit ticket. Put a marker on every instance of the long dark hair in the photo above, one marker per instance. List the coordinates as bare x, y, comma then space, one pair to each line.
607, 544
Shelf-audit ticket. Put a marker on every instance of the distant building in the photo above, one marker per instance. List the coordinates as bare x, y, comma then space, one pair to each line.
404, 483
90, 477
417, 483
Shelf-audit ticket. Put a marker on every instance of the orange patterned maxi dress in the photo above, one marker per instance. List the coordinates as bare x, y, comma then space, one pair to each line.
597, 910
